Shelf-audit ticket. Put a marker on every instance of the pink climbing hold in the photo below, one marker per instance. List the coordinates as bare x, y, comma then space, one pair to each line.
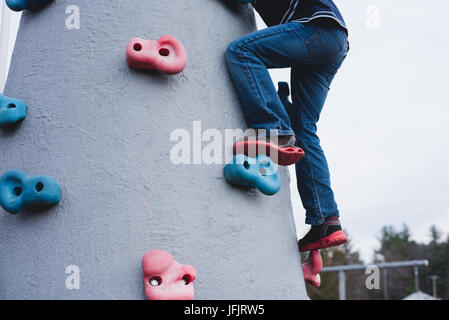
167, 54
312, 268
165, 278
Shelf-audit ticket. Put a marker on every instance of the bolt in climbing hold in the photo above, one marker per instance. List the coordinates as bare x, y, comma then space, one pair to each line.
20, 5
312, 267
165, 278
12, 111
167, 55
19, 191
260, 172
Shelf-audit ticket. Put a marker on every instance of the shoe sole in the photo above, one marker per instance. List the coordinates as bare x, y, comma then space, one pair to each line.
285, 156
335, 239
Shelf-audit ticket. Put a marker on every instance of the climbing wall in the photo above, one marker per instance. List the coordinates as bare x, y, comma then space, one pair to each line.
102, 131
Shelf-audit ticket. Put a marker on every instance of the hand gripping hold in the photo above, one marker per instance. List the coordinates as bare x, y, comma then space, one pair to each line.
167, 55
259, 172
19, 191
166, 279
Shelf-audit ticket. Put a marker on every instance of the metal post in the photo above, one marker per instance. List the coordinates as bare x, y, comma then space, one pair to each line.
416, 278
385, 283
342, 284
434, 285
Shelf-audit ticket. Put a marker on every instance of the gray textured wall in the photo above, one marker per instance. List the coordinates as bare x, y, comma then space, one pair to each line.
102, 131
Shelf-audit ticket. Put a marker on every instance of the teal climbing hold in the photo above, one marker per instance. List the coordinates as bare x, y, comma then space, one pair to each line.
19, 191
260, 172
11, 190
12, 111
20, 5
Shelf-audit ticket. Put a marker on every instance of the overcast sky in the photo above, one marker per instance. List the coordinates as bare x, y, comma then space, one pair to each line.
384, 127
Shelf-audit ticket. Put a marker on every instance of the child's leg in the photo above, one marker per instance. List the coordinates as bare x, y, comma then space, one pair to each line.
309, 92
248, 59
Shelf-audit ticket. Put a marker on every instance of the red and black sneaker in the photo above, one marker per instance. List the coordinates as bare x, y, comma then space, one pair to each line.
284, 152
326, 235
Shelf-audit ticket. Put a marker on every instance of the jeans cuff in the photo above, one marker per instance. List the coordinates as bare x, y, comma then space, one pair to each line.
286, 132
335, 214
314, 221
318, 221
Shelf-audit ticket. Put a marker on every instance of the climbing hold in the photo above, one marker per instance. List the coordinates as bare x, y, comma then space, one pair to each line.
20, 5
165, 278
312, 268
252, 147
167, 54
11, 190
259, 172
19, 191
11, 111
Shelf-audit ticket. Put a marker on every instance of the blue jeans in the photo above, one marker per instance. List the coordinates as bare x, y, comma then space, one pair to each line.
314, 51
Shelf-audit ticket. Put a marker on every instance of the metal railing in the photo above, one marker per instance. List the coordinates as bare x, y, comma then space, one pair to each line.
382, 265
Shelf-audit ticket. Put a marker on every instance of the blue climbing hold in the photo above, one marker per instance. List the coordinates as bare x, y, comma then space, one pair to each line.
41, 192
20, 5
260, 172
19, 191
11, 111
11, 190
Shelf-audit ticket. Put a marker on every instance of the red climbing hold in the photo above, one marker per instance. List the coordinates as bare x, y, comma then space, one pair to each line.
312, 268
166, 279
284, 156
166, 55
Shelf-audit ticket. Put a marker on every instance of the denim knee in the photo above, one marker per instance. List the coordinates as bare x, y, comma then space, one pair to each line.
233, 50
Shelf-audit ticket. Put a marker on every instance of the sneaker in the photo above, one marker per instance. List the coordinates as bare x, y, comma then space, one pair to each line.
326, 235
285, 152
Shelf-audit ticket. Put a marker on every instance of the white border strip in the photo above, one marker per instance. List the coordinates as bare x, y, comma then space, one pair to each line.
4, 44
